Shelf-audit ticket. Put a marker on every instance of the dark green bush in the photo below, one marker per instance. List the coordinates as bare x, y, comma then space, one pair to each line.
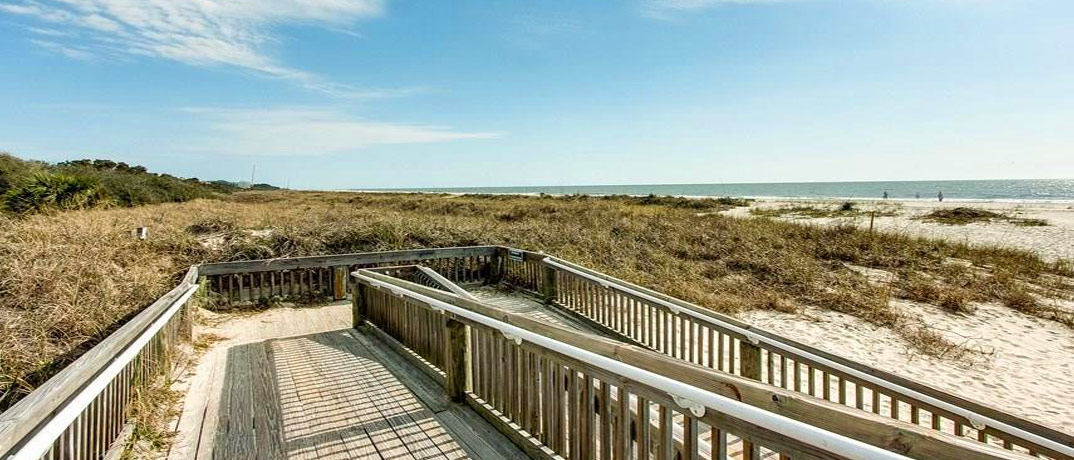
43, 191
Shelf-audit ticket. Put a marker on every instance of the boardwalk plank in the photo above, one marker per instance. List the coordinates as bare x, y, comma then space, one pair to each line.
239, 442
266, 404
284, 392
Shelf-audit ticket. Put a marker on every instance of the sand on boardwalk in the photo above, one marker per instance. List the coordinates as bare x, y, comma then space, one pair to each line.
1054, 241
1024, 365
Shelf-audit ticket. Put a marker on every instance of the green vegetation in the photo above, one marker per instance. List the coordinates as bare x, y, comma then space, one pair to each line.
700, 204
28, 187
43, 190
964, 215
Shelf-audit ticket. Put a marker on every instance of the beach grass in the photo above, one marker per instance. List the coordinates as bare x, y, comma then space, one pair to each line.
70, 278
965, 215
812, 211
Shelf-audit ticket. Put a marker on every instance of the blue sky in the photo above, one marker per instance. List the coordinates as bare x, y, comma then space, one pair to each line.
380, 93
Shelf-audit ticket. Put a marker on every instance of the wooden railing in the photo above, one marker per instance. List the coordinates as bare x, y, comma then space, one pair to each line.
80, 413
697, 335
83, 412
308, 279
558, 392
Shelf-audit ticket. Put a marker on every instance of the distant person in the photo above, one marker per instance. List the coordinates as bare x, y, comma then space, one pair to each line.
917, 195
885, 194
940, 195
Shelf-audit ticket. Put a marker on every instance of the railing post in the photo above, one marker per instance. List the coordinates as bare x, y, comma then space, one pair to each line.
496, 266
548, 285
750, 364
359, 305
200, 297
457, 360
339, 283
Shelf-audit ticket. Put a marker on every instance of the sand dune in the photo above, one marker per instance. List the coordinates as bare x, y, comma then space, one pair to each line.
1054, 241
1021, 364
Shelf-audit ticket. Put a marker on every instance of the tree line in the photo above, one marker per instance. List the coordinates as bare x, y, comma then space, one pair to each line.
28, 187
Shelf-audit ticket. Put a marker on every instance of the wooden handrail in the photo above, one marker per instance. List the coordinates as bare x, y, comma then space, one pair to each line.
22, 421
901, 437
291, 263
1005, 426
54, 401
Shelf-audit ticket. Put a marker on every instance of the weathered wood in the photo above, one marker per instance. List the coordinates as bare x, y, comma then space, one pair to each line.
457, 361
904, 438
532, 447
990, 412
359, 303
28, 415
445, 283
548, 286
365, 258
339, 283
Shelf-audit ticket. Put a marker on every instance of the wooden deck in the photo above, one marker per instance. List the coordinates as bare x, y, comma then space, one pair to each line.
329, 392
521, 304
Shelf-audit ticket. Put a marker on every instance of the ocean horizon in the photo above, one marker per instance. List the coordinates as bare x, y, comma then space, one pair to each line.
988, 190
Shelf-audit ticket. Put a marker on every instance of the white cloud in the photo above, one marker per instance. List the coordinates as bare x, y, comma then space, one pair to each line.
73, 53
49, 32
306, 131
666, 9
202, 32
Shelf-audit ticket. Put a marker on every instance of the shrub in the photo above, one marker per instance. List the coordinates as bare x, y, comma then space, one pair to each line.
43, 191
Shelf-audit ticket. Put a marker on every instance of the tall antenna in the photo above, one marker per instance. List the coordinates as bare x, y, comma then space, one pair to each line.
253, 171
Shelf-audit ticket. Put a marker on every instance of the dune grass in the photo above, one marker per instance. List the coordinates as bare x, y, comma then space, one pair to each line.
963, 216
844, 209
68, 279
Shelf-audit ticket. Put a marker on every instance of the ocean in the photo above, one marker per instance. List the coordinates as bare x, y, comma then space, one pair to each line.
991, 190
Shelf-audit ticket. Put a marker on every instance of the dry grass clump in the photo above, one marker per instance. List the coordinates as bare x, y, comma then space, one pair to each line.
211, 225
67, 280
699, 204
920, 288
844, 209
152, 406
927, 341
965, 215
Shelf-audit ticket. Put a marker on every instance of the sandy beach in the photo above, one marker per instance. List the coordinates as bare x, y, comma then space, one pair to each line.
1020, 363
1053, 241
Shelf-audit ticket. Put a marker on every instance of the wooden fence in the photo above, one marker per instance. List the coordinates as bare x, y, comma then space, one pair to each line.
697, 335
557, 392
80, 413
310, 279
84, 411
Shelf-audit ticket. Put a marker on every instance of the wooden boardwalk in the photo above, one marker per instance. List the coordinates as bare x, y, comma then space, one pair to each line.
337, 394
521, 304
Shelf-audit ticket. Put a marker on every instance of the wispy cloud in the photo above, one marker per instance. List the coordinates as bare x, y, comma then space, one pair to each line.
667, 9
200, 32
59, 48
310, 131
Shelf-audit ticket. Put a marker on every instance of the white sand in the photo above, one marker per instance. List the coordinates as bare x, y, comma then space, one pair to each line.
1027, 368
1055, 241
1025, 365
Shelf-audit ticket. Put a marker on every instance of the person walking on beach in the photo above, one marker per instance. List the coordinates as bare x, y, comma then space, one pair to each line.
885, 194
940, 196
